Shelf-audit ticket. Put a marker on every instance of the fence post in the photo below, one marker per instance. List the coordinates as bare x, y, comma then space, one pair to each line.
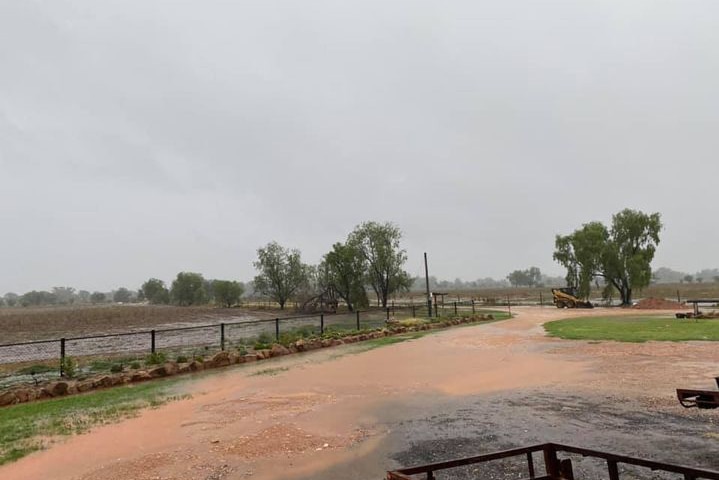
358, 322
222, 336
387, 319
473, 311
455, 309
277, 329
152, 341
62, 357
413, 312
392, 307
436, 309
322, 323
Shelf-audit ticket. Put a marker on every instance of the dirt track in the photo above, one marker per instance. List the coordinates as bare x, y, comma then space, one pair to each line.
348, 413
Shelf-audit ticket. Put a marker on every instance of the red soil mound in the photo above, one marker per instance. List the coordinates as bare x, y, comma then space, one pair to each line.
657, 304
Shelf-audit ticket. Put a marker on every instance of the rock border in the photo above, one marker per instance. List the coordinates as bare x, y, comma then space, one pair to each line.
65, 387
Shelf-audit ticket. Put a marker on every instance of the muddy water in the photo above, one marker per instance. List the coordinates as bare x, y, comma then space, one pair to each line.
351, 413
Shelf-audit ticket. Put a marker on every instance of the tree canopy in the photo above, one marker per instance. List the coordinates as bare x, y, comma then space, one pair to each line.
344, 270
155, 292
188, 289
530, 277
620, 255
226, 292
281, 272
378, 246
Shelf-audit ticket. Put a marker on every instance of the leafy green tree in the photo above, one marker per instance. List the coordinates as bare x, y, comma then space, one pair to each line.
11, 299
344, 270
621, 255
529, 278
64, 295
35, 298
281, 272
227, 293
379, 247
97, 297
689, 278
122, 295
155, 292
83, 296
188, 289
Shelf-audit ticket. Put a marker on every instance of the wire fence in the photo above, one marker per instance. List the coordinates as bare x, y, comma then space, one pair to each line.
36, 361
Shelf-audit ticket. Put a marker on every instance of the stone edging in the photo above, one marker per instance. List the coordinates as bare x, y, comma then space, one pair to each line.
221, 359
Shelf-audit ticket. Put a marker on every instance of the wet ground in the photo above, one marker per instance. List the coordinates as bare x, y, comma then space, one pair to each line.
353, 413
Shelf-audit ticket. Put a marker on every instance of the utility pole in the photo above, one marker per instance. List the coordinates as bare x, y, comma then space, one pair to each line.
426, 278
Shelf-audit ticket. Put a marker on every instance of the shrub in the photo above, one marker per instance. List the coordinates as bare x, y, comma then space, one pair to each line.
242, 350
116, 368
181, 359
155, 358
135, 365
69, 367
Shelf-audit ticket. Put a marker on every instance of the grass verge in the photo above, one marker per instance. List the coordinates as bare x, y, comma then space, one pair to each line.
634, 329
28, 427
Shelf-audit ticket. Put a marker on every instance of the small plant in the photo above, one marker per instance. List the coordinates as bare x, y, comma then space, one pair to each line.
242, 350
155, 358
116, 368
69, 367
135, 365
262, 346
181, 359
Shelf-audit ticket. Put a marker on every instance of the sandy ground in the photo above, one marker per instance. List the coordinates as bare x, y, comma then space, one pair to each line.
349, 413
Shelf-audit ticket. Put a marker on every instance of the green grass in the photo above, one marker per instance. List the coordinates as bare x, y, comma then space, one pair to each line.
634, 329
22, 426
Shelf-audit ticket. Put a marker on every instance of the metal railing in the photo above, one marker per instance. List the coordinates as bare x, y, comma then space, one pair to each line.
554, 467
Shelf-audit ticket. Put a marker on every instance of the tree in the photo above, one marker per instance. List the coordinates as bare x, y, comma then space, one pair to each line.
83, 296
188, 289
64, 295
34, 298
97, 297
379, 247
155, 292
227, 293
621, 256
11, 299
281, 272
122, 295
530, 277
344, 270
688, 278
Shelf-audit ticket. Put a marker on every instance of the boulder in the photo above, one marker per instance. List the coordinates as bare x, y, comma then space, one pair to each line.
171, 368
84, 386
140, 376
57, 389
25, 394
336, 341
220, 359
102, 382
250, 357
234, 358
300, 345
8, 398
157, 372
196, 366
278, 350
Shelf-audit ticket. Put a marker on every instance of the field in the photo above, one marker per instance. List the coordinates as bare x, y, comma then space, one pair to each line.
635, 329
358, 410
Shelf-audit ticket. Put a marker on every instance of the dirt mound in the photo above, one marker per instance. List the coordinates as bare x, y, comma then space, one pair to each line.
657, 304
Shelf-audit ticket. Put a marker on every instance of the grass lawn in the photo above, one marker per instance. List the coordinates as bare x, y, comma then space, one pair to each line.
634, 329
22, 426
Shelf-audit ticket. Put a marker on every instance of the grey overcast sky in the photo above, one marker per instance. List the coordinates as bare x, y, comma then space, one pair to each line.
140, 138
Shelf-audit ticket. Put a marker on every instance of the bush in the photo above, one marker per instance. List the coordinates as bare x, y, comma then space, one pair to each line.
242, 350
116, 368
69, 367
155, 358
181, 359
135, 365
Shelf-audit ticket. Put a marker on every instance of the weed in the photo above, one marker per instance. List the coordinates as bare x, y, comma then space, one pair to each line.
181, 359
135, 365
155, 358
69, 367
116, 368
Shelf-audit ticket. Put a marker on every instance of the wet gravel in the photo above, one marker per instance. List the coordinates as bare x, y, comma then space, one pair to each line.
495, 422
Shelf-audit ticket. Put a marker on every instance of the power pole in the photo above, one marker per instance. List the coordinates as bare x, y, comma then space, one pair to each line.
426, 278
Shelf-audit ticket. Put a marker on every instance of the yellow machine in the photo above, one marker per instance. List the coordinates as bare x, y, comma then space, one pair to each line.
567, 298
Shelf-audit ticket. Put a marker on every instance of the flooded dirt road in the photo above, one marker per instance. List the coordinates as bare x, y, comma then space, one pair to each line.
349, 412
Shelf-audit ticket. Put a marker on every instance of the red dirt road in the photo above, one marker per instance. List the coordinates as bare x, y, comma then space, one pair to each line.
323, 408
